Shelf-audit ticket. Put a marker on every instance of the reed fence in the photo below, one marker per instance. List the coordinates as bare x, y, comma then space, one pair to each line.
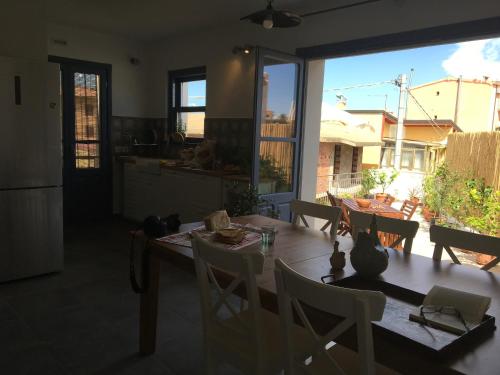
476, 154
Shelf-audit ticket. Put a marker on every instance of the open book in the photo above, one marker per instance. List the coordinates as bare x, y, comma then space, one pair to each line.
451, 310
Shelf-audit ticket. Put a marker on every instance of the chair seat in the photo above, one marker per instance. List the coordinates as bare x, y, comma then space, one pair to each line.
228, 337
347, 360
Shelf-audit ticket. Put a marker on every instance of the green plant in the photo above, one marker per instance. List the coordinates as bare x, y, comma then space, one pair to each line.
384, 179
180, 126
438, 188
346, 195
367, 182
414, 192
463, 201
242, 200
269, 170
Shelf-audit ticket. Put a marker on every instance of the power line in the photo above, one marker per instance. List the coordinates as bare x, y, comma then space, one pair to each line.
392, 81
432, 122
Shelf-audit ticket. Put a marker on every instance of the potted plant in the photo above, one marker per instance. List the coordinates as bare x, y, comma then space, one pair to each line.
437, 191
384, 180
367, 183
241, 200
432, 201
414, 194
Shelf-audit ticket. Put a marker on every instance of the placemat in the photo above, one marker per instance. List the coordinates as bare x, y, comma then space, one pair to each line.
252, 236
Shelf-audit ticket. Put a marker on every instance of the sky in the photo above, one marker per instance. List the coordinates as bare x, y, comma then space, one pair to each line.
474, 59
469, 59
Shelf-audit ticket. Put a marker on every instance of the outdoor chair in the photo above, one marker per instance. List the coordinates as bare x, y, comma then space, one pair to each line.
404, 229
301, 209
389, 200
408, 209
247, 339
357, 308
448, 238
344, 227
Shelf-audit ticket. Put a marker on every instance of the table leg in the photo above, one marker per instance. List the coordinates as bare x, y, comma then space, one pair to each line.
149, 309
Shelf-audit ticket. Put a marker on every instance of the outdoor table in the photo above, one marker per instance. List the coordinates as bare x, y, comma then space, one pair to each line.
308, 251
377, 208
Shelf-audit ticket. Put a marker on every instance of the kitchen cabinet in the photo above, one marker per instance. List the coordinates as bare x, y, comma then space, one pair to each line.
161, 191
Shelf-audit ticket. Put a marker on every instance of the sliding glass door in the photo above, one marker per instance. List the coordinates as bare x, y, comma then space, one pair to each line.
278, 115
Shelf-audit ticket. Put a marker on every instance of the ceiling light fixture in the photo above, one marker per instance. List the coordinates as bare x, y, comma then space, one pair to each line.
245, 50
271, 18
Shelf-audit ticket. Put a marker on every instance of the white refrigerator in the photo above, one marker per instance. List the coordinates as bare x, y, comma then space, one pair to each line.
31, 222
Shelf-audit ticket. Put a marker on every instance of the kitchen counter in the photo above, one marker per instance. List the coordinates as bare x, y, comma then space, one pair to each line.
159, 187
173, 165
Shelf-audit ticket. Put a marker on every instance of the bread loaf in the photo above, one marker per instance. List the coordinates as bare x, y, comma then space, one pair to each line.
217, 220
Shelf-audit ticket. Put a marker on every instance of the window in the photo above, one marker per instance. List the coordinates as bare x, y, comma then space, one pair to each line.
186, 105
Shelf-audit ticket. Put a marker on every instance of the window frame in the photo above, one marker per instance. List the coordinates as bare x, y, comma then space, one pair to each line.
175, 80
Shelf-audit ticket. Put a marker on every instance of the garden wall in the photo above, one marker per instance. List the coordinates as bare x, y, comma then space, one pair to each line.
476, 153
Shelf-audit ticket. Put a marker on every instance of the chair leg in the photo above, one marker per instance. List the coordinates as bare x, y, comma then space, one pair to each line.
210, 362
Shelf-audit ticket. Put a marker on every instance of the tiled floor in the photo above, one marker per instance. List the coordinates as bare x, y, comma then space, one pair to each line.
85, 319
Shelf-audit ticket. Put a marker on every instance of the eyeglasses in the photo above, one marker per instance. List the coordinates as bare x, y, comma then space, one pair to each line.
447, 310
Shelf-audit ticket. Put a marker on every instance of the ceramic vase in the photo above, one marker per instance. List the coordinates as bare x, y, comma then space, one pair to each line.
368, 257
337, 260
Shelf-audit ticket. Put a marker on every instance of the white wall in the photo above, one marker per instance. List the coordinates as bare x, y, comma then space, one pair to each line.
230, 78
22, 29
129, 82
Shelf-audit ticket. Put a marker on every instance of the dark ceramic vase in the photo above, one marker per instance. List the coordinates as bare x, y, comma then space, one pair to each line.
337, 260
368, 257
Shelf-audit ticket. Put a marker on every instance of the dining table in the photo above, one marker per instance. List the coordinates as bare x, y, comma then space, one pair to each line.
377, 208
307, 251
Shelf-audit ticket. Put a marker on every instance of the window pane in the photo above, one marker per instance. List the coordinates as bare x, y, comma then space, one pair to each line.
87, 111
387, 157
406, 158
193, 93
418, 162
279, 92
87, 155
191, 123
276, 167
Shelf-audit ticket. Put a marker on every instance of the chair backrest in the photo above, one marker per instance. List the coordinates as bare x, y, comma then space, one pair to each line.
337, 202
389, 200
334, 201
357, 307
408, 209
405, 229
301, 209
447, 238
244, 264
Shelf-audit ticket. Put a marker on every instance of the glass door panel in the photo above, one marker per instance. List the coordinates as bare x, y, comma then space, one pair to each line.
276, 170
277, 127
279, 95
87, 120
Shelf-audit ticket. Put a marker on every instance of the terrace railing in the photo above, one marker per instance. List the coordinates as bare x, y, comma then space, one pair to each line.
338, 184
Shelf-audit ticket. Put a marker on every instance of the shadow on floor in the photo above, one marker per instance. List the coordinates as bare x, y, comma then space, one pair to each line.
84, 320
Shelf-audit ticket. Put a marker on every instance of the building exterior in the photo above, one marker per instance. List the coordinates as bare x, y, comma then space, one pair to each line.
472, 104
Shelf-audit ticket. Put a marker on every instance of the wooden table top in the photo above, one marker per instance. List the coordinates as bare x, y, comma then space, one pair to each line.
307, 251
376, 207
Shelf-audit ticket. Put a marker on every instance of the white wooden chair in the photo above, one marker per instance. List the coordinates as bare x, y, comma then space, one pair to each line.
301, 209
446, 238
404, 229
249, 338
357, 307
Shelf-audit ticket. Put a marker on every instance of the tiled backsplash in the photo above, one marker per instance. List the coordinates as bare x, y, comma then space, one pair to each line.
234, 137
127, 131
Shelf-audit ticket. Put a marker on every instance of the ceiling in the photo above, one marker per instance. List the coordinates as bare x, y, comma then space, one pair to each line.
156, 19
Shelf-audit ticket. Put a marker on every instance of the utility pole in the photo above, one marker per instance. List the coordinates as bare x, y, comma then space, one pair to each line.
401, 82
